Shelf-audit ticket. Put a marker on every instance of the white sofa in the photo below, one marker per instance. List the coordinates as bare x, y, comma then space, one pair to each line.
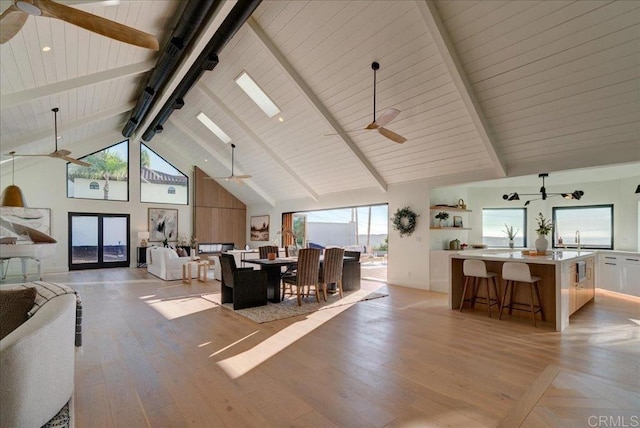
165, 264
37, 365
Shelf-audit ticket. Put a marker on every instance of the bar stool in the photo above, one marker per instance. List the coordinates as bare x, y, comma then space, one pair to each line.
514, 273
477, 270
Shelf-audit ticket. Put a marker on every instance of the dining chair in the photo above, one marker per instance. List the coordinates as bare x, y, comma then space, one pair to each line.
331, 272
266, 249
244, 287
306, 273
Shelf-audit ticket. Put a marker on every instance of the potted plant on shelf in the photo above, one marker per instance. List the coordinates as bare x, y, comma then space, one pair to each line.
544, 227
510, 234
442, 216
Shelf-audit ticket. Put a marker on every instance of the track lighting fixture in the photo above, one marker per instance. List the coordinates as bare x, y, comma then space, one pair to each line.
576, 194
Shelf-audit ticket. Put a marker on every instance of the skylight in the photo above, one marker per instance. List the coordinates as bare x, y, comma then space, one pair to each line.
257, 94
213, 128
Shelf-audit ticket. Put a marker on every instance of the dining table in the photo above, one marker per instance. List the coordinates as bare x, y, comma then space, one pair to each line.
275, 272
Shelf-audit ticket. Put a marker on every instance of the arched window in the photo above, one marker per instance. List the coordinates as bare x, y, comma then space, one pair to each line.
94, 185
171, 190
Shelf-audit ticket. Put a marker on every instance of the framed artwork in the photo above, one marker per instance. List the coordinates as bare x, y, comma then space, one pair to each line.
163, 224
457, 221
34, 218
260, 228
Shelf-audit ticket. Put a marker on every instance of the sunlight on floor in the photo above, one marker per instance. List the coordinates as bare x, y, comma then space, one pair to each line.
243, 363
180, 306
233, 344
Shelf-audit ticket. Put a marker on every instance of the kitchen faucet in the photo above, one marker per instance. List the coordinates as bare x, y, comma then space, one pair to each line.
578, 239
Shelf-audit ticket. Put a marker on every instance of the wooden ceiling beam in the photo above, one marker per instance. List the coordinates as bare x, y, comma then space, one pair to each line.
16, 98
256, 139
447, 51
78, 123
226, 162
313, 99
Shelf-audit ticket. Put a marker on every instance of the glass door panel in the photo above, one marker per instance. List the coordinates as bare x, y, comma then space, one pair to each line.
84, 242
114, 244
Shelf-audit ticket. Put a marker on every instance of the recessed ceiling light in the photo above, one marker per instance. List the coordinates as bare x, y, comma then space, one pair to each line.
213, 128
46, 48
251, 88
281, 119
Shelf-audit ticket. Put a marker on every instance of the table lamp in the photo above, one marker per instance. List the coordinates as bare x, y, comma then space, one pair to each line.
143, 237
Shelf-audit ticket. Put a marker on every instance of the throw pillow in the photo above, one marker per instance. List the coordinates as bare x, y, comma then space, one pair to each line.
14, 305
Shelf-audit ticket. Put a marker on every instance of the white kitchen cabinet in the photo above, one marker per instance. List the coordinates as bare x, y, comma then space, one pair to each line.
630, 275
619, 272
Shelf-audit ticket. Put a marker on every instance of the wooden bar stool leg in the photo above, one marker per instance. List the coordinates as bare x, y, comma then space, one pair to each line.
513, 287
504, 297
533, 309
475, 293
464, 292
497, 293
486, 283
539, 302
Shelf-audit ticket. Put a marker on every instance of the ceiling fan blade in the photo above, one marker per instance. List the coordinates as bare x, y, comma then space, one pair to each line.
47, 155
240, 177
11, 21
387, 117
372, 125
392, 135
97, 24
60, 153
76, 161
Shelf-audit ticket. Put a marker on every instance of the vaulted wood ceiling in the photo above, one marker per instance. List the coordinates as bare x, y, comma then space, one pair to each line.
486, 88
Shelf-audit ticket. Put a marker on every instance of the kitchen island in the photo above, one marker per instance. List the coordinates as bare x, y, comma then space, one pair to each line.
567, 279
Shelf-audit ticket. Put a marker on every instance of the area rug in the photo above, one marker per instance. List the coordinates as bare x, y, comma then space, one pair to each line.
289, 306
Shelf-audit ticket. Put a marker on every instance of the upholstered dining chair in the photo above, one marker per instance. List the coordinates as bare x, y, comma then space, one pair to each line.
265, 250
331, 272
306, 273
244, 287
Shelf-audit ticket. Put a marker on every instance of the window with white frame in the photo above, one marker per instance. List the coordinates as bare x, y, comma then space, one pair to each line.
495, 222
590, 226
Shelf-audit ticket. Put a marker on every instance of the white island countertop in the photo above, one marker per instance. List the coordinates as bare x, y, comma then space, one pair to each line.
551, 258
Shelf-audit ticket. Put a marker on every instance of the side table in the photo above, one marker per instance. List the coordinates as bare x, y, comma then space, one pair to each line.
187, 273
203, 271
142, 257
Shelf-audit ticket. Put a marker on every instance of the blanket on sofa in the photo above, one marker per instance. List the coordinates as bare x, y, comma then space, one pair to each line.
47, 291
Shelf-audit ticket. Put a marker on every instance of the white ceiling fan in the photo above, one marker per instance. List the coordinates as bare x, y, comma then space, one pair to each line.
232, 177
386, 117
59, 154
12, 20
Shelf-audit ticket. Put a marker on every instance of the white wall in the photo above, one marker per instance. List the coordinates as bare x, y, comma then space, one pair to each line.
408, 260
620, 193
43, 184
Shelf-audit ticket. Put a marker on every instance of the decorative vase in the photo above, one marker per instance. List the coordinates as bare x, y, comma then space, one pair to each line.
510, 243
442, 223
542, 244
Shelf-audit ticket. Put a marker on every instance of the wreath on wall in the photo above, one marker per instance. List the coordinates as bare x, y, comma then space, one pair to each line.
404, 221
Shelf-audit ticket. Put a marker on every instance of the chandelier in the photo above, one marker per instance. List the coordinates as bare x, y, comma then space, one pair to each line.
576, 194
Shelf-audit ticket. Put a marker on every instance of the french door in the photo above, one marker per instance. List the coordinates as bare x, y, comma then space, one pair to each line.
98, 240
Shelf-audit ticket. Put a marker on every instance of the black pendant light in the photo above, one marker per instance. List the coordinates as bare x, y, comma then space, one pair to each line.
576, 194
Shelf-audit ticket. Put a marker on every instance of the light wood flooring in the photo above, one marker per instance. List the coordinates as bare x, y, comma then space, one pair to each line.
156, 354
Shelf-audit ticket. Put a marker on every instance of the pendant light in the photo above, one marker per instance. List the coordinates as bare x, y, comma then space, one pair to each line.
12, 195
576, 194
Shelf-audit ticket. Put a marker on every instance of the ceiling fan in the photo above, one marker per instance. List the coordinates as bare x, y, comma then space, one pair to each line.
12, 20
232, 177
60, 154
386, 117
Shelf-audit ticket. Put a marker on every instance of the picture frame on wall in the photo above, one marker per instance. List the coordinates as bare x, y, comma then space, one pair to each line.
259, 228
457, 221
35, 219
163, 224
